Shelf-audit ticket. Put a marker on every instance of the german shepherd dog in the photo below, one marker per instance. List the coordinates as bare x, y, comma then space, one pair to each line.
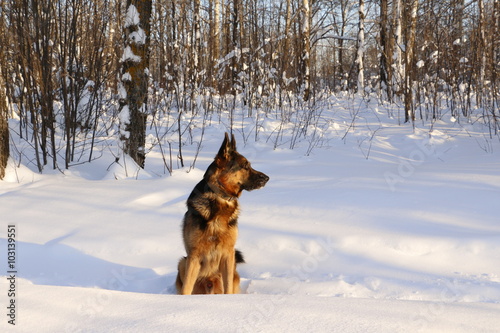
210, 226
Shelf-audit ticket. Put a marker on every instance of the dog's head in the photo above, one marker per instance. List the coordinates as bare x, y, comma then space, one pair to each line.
232, 173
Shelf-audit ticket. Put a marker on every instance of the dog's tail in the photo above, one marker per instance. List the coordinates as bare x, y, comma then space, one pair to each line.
238, 256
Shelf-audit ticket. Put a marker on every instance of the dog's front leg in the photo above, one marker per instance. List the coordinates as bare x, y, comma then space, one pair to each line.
192, 271
227, 269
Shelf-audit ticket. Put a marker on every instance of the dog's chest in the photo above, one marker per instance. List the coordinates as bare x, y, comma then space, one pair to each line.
217, 242
226, 213
221, 229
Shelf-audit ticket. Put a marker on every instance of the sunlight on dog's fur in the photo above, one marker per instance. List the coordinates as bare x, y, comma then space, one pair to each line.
210, 226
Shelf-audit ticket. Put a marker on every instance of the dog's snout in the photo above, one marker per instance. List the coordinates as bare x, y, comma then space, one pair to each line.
256, 180
264, 178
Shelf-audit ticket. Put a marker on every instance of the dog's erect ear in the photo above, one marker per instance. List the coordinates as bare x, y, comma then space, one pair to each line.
225, 148
233, 142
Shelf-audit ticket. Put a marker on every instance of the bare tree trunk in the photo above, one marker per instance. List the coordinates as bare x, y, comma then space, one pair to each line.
70, 78
361, 47
481, 52
4, 126
305, 57
496, 39
215, 35
345, 7
43, 29
195, 80
397, 56
385, 64
495, 61
456, 67
284, 54
236, 46
135, 62
410, 35
33, 25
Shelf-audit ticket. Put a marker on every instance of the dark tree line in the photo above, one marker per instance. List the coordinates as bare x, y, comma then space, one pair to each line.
59, 59
70, 66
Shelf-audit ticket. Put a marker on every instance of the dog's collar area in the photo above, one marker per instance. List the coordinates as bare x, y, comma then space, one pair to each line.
221, 192
227, 198
218, 191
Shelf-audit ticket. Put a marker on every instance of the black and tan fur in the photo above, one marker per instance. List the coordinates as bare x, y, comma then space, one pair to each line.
208, 285
210, 226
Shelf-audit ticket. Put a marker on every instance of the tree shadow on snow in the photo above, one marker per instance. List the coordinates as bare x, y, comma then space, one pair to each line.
56, 264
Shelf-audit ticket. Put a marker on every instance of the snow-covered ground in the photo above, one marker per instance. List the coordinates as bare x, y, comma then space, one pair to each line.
405, 240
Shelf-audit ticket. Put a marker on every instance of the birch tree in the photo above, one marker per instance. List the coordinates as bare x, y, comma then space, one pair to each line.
397, 56
236, 45
214, 42
410, 35
196, 49
482, 46
305, 56
361, 47
4, 126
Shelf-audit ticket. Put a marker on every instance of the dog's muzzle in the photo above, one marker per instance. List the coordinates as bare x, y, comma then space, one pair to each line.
257, 181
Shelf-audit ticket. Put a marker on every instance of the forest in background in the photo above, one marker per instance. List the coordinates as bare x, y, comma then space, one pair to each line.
72, 70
